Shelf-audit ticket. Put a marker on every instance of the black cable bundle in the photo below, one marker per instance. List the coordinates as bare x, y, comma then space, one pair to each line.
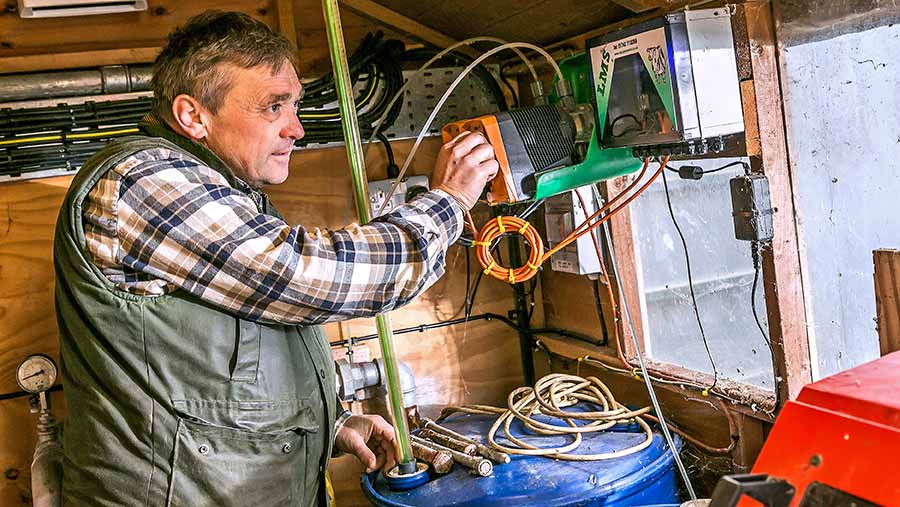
377, 63
65, 136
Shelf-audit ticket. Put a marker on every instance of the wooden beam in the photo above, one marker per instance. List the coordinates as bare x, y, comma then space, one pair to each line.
639, 6
59, 61
401, 23
754, 402
662, 8
286, 21
628, 264
887, 298
781, 263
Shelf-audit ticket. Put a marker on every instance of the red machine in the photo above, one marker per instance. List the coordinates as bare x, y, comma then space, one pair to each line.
838, 444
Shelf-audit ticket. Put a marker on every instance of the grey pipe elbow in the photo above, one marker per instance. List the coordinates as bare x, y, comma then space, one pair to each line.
362, 381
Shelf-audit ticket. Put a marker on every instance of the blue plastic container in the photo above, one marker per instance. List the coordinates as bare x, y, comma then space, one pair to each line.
641, 479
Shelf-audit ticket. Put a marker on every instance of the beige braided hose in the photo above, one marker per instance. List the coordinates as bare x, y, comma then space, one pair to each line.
549, 396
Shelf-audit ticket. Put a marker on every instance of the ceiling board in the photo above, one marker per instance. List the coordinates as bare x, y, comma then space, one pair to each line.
536, 21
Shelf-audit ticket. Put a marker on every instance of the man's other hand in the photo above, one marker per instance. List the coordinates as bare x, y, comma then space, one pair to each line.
464, 166
370, 438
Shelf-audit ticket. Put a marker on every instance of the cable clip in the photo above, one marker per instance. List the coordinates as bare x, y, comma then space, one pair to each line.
532, 266
487, 270
705, 392
524, 228
481, 243
512, 278
634, 372
500, 225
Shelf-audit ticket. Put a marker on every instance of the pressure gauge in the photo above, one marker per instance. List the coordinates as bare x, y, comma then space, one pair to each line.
36, 374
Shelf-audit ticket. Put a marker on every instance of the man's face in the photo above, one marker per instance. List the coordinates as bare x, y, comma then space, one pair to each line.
256, 126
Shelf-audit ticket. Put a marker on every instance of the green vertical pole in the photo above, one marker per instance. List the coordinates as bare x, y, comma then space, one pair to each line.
344, 89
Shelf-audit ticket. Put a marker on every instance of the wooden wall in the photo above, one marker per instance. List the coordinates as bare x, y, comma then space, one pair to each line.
475, 363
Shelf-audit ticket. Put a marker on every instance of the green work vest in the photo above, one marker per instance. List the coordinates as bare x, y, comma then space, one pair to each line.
173, 401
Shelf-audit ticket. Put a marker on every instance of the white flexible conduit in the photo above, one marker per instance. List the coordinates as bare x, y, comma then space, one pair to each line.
440, 104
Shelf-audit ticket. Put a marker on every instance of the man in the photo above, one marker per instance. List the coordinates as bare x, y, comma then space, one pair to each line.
194, 370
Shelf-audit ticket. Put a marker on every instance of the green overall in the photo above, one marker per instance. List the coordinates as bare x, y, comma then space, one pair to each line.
172, 401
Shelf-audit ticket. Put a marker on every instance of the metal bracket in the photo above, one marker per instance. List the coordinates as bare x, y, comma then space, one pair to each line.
771, 491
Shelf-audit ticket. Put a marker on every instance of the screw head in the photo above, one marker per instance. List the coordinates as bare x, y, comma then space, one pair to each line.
815, 460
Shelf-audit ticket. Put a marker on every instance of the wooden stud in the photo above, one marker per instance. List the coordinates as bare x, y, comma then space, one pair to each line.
628, 265
751, 433
887, 298
286, 24
60, 61
781, 263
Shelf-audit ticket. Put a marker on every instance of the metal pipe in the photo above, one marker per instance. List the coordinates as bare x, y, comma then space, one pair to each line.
478, 464
441, 461
350, 125
488, 452
103, 80
449, 442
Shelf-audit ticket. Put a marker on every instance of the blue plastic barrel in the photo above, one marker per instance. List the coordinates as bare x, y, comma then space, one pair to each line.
641, 479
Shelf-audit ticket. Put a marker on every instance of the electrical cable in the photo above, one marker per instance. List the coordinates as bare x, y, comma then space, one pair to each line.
687, 261
530, 209
438, 56
498, 227
509, 86
64, 136
446, 95
22, 394
756, 248
549, 396
596, 286
696, 172
640, 357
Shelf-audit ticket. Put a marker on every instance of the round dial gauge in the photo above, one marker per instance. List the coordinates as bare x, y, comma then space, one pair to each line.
36, 374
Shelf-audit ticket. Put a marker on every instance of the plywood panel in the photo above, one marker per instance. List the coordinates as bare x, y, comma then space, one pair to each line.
139, 29
540, 21
27, 320
473, 363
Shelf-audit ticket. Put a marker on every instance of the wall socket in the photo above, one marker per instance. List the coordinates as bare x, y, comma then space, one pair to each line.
408, 188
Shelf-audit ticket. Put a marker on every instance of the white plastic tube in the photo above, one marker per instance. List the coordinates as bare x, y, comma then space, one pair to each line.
446, 95
387, 110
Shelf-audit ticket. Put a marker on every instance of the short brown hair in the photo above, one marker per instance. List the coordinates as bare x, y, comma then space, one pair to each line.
192, 60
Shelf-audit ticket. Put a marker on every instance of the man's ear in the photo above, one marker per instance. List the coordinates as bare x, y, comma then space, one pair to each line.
189, 116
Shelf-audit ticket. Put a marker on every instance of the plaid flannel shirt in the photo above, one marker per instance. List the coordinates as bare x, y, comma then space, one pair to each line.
161, 221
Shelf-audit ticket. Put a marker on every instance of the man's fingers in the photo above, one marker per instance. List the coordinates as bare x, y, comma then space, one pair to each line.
489, 168
390, 459
381, 429
458, 137
481, 153
366, 457
467, 143
380, 459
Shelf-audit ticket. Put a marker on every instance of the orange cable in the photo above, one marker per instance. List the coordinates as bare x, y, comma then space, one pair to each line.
500, 225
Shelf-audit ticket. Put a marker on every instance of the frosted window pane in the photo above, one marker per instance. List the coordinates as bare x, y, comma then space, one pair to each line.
722, 272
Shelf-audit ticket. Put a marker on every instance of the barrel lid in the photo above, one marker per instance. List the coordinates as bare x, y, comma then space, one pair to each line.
541, 481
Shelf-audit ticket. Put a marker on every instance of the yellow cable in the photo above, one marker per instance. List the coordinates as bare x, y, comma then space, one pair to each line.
60, 137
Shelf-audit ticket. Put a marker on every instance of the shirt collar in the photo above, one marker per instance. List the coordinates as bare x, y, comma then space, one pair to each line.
153, 126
